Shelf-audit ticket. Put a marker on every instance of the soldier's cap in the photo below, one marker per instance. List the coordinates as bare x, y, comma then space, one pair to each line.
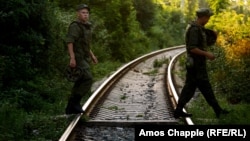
73, 74
204, 12
82, 6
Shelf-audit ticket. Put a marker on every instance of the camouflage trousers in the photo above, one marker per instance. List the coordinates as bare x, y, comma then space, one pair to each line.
197, 78
83, 85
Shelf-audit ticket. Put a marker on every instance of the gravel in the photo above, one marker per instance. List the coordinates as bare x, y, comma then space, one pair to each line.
104, 133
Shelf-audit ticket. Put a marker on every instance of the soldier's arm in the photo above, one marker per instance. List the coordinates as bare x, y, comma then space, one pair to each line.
72, 55
193, 42
93, 57
72, 36
207, 54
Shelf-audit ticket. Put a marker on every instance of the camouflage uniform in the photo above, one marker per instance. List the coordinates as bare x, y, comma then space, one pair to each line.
196, 73
80, 35
196, 76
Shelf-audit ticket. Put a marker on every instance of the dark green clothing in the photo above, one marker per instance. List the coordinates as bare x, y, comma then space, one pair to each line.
196, 38
196, 74
83, 85
80, 35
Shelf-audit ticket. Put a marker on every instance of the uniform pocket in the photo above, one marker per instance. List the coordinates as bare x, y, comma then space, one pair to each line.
86, 74
189, 62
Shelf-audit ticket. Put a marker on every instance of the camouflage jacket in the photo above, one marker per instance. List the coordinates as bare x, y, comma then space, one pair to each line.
80, 35
195, 37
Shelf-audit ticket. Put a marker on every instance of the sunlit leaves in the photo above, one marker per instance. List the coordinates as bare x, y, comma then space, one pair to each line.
231, 69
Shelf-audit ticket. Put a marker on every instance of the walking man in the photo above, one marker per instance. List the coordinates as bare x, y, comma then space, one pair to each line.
78, 42
196, 73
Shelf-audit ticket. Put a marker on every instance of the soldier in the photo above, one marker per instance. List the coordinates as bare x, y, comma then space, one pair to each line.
78, 43
196, 73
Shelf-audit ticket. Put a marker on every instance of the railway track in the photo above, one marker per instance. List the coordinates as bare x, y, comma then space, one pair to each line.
136, 94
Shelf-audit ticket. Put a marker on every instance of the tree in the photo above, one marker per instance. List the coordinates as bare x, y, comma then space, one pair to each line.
145, 13
218, 5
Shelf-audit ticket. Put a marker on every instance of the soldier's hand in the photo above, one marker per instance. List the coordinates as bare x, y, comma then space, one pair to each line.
210, 56
72, 63
94, 59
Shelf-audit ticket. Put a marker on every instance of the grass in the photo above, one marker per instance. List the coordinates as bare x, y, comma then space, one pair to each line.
203, 114
157, 64
45, 120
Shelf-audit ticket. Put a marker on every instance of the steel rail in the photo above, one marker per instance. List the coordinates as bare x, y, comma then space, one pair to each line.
106, 86
172, 87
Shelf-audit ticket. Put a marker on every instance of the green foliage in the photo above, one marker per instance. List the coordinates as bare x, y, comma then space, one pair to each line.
218, 5
11, 117
100, 37
31, 45
158, 63
168, 28
151, 72
190, 9
145, 11
36, 127
24, 40
232, 64
238, 114
122, 36
104, 68
69, 4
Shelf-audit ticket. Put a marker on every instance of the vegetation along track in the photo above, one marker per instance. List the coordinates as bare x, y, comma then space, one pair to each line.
136, 94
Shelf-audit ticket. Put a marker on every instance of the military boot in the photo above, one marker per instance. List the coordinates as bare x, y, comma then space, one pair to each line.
74, 106
179, 113
219, 111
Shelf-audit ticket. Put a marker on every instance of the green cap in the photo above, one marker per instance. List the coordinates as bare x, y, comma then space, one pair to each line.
204, 12
82, 6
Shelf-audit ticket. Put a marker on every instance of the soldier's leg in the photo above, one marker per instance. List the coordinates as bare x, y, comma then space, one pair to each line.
186, 94
206, 89
80, 88
86, 83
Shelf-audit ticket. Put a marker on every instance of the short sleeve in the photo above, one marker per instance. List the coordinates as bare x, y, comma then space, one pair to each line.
193, 38
73, 33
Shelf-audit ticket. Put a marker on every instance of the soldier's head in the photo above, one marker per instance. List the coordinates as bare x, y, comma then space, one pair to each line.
203, 15
83, 12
